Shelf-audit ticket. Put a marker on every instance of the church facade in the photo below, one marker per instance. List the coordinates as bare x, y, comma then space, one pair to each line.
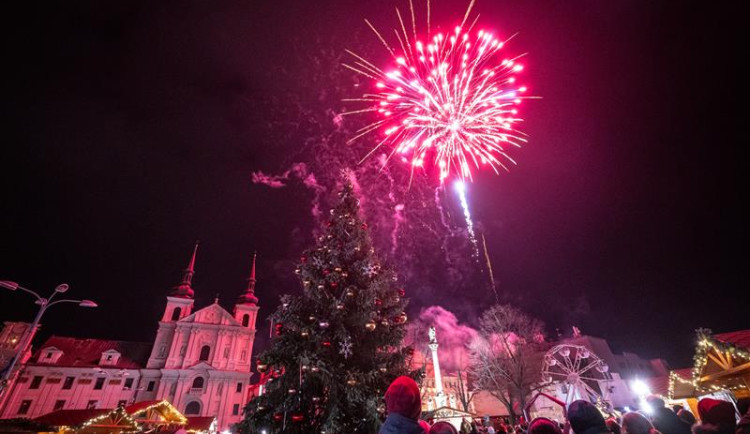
200, 361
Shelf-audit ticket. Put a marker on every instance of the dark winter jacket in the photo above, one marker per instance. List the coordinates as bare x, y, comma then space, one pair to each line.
398, 424
743, 426
666, 421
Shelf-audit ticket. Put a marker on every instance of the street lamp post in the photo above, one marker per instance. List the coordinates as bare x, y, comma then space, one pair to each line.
44, 304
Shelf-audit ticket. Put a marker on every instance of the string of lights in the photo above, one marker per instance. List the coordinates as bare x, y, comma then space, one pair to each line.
705, 344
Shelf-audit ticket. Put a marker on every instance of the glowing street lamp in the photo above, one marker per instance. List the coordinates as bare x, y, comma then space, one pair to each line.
44, 304
641, 389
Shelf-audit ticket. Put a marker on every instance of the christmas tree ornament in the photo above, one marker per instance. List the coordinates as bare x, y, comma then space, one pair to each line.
311, 318
303, 259
306, 283
323, 324
344, 274
401, 292
305, 367
262, 367
345, 347
378, 302
401, 318
292, 391
297, 271
370, 325
278, 417
384, 322
304, 333
298, 417
321, 286
383, 369
326, 272
350, 292
351, 382
334, 284
337, 269
326, 344
315, 369
340, 306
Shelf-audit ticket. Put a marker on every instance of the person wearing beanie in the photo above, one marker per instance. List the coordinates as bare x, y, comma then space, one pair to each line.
442, 427
403, 403
612, 425
585, 418
717, 413
664, 419
542, 425
686, 416
743, 426
636, 423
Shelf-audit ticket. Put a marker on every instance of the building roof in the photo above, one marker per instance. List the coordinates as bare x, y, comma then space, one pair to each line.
71, 418
87, 352
199, 423
740, 338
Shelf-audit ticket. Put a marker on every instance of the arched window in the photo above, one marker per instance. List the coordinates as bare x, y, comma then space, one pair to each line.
176, 314
193, 408
245, 320
198, 383
205, 351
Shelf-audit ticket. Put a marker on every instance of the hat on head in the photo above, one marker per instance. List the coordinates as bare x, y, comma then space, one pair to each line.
403, 397
583, 416
716, 412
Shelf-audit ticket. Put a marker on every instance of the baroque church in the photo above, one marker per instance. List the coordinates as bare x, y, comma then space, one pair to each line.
200, 361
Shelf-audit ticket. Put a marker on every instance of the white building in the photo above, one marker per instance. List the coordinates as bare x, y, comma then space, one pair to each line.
199, 361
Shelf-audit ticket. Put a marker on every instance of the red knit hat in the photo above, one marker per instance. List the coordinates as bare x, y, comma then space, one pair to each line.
716, 412
403, 397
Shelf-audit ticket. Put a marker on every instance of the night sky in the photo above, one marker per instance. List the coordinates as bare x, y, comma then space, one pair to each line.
132, 128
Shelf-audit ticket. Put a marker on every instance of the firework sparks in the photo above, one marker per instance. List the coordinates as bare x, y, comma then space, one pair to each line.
448, 104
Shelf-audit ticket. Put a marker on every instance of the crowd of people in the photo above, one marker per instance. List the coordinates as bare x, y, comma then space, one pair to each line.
404, 407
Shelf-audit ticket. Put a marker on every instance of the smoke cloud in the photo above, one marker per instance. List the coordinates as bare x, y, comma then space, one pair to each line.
453, 337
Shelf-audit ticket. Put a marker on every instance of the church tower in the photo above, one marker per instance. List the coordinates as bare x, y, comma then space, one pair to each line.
246, 308
179, 305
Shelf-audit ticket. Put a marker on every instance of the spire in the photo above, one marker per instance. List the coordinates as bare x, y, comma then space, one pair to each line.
184, 289
248, 297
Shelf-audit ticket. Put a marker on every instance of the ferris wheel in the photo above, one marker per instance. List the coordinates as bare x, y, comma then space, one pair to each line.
577, 372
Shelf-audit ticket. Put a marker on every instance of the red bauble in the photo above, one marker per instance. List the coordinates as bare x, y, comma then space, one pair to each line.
326, 272
298, 417
279, 325
326, 344
364, 226
401, 292
330, 223
410, 351
378, 302
303, 259
334, 284
278, 417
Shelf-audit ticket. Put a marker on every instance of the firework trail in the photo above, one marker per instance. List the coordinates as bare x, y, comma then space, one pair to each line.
460, 188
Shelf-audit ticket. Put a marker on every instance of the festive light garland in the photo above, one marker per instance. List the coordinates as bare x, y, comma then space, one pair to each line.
120, 412
171, 410
706, 343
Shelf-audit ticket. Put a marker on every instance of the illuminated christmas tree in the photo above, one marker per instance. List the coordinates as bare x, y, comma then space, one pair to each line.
338, 345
